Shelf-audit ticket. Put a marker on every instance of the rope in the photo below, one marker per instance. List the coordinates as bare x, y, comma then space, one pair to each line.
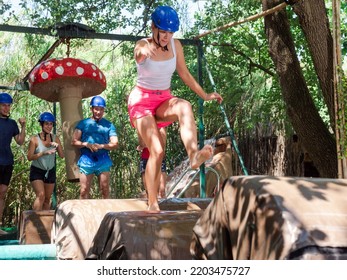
251, 18
234, 143
44, 57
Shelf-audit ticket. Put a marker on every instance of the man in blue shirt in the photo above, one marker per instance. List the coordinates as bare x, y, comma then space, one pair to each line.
8, 130
96, 137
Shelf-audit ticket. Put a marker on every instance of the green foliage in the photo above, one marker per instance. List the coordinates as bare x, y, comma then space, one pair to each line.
242, 69
237, 58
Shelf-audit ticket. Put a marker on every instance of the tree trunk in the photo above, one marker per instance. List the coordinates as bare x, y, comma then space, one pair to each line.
314, 135
315, 25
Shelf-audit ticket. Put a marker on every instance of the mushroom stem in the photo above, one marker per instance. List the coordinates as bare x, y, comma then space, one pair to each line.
67, 80
70, 98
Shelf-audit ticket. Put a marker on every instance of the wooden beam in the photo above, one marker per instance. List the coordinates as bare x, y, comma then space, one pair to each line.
251, 18
340, 113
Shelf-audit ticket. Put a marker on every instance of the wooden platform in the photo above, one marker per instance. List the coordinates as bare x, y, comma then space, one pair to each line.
35, 227
274, 218
77, 222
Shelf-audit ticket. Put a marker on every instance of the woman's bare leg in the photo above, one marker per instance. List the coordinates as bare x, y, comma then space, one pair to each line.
49, 188
39, 189
163, 133
162, 189
181, 110
147, 129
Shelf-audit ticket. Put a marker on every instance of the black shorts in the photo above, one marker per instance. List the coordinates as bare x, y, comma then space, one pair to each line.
143, 163
48, 177
5, 174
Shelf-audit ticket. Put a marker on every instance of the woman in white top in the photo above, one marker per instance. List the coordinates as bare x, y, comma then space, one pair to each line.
151, 103
41, 151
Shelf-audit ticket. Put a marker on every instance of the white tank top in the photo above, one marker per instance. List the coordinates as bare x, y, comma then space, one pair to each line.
45, 162
156, 75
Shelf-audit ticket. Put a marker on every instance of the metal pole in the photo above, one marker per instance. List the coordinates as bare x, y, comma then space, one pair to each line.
54, 194
231, 132
201, 123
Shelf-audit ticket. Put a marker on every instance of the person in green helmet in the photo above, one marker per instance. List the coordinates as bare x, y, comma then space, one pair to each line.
151, 101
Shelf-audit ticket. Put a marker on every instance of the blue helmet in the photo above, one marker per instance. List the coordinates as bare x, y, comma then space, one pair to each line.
46, 117
5, 98
98, 101
166, 18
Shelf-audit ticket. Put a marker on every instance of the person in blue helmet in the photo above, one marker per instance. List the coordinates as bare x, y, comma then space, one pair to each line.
152, 102
96, 137
8, 130
42, 151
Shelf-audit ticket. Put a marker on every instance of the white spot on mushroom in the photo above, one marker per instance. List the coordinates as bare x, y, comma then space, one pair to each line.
44, 75
59, 70
94, 67
79, 70
100, 75
94, 74
84, 61
69, 64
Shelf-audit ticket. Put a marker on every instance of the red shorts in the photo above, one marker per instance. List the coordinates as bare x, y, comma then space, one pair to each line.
143, 102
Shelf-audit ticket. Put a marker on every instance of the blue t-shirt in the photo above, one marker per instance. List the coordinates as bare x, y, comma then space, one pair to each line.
96, 132
8, 130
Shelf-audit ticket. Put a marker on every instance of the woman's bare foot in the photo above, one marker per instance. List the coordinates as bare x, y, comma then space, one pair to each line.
153, 208
201, 156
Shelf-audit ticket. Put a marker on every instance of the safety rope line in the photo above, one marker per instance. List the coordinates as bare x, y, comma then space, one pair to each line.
234, 143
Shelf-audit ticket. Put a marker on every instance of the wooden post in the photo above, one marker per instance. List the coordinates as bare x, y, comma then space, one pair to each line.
338, 94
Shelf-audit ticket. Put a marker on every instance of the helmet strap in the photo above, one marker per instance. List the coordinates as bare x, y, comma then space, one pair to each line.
158, 44
45, 134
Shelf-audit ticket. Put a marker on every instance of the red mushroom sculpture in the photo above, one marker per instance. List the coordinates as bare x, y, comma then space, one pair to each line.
67, 81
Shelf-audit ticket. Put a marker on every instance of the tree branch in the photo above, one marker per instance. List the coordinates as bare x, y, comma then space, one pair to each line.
251, 62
